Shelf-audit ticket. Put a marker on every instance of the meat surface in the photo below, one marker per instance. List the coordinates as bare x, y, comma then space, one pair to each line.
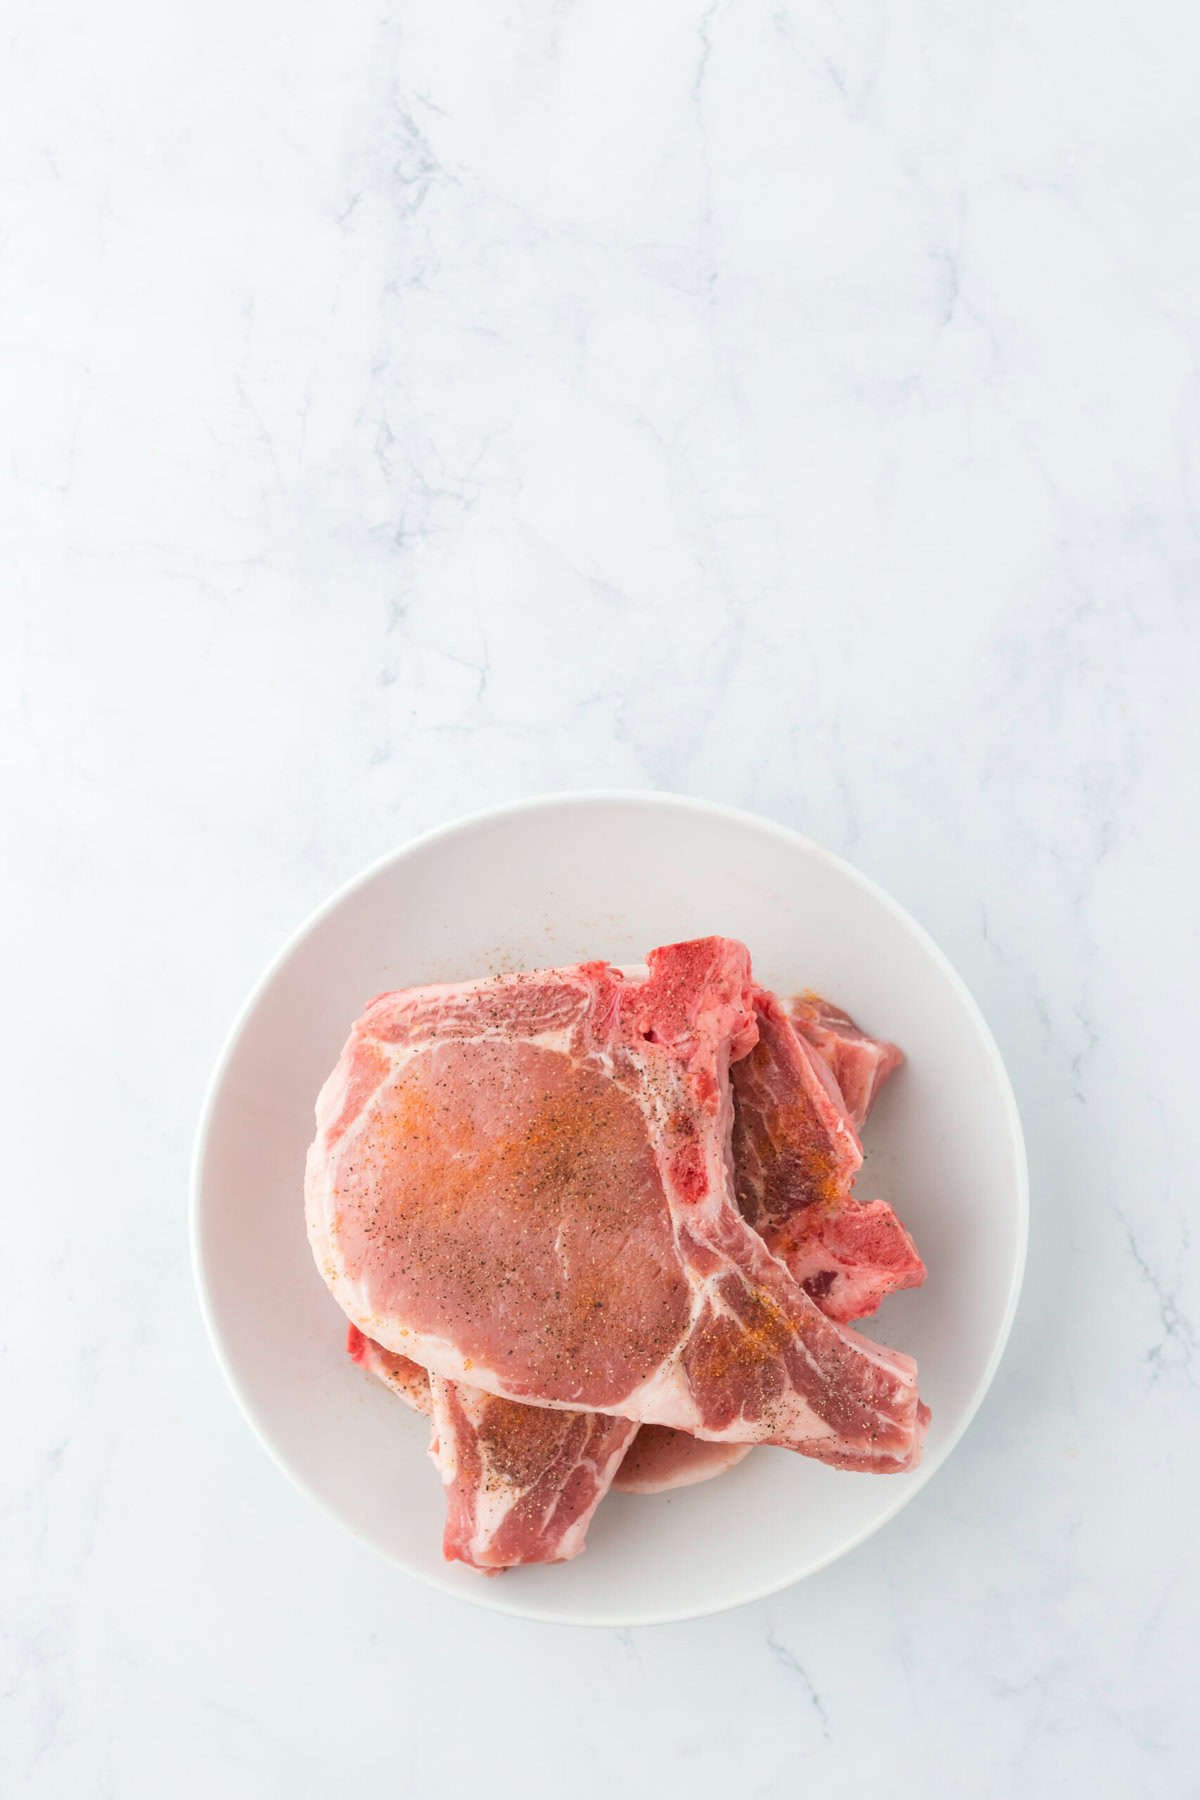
859, 1255
796, 1155
860, 1064
489, 1521
850, 1257
522, 1482
523, 1184
793, 1145
660, 1458
407, 1379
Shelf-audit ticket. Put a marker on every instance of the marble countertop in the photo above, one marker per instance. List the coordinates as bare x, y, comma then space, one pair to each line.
405, 409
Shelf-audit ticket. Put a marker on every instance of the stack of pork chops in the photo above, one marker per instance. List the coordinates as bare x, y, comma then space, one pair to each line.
599, 1224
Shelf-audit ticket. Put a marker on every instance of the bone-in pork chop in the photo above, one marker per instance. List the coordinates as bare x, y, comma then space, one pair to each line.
522, 1482
523, 1184
849, 1262
796, 1154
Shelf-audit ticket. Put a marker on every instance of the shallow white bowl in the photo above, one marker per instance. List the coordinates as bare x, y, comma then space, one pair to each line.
560, 880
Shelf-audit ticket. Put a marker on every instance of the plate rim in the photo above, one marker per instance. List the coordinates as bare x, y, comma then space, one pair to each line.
649, 799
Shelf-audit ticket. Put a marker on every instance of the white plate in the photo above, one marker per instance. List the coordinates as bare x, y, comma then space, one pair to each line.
560, 880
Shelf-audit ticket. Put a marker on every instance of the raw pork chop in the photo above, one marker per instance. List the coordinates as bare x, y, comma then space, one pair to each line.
522, 1482
860, 1064
795, 1158
660, 1458
876, 1258
523, 1183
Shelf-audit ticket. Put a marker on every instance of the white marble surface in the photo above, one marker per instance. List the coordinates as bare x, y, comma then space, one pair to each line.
406, 408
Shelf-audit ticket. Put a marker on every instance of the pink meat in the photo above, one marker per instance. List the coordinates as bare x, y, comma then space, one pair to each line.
859, 1254
860, 1064
407, 1379
849, 1258
522, 1482
793, 1146
660, 1458
523, 1184
796, 1155
504, 1508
